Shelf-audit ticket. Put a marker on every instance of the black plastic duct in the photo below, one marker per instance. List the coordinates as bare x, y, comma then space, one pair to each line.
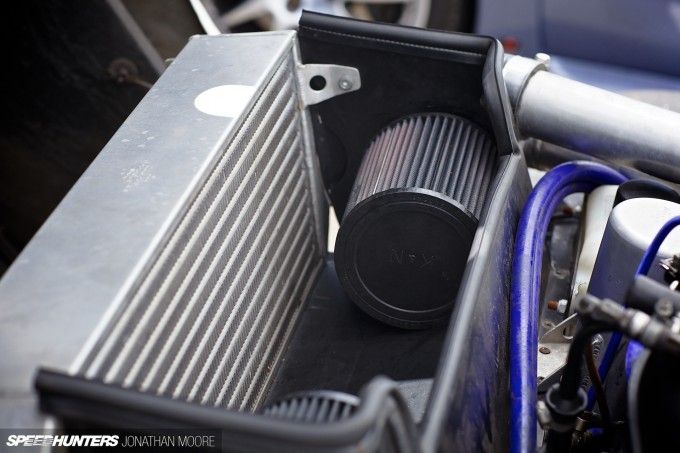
404, 71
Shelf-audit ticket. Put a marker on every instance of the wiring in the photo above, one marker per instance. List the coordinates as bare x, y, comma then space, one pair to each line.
599, 389
566, 399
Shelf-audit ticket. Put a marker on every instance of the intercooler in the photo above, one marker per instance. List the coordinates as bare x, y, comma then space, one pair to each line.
209, 319
185, 279
179, 262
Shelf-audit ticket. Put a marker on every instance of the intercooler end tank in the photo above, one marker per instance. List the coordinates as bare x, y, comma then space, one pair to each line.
406, 235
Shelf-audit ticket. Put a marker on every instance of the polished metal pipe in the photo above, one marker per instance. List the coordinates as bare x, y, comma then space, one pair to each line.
593, 121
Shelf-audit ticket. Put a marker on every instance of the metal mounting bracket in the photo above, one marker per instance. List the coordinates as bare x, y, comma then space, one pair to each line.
553, 348
320, 82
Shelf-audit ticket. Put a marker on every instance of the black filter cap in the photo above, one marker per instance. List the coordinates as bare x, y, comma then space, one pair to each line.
402, 254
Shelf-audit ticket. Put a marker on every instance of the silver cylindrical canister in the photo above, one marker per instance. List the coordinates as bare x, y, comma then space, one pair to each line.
632, 226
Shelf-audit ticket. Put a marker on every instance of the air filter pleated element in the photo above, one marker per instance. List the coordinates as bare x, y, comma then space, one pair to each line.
316, 406
409, 224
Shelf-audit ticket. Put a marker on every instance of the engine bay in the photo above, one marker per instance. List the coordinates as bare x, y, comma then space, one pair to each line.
501, 277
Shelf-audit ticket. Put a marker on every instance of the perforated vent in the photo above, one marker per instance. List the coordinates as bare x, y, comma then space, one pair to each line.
209, 319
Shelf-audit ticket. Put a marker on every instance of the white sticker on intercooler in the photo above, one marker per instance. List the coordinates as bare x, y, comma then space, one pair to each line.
226, 100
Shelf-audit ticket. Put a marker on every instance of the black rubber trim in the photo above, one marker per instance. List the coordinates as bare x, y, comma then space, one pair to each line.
465, 48
404, 70
93, 403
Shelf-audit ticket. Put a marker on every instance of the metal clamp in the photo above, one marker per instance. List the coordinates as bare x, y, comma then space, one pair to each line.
517, 72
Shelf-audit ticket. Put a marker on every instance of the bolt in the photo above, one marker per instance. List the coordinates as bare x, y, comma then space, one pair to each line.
122, 70
543, 58
552, 305
345, 84
544, 350
664, 308
562, 305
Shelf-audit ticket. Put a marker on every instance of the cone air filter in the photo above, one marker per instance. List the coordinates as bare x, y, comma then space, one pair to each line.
404, 241
314, 406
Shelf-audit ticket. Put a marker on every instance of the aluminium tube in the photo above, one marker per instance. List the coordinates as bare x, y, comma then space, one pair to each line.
593, 121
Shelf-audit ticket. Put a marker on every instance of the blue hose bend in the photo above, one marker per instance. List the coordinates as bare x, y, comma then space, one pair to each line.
565, 179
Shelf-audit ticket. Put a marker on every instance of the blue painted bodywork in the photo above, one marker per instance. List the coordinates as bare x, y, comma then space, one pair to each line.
621, 45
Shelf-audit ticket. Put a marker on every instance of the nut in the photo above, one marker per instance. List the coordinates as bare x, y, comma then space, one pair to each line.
345, 84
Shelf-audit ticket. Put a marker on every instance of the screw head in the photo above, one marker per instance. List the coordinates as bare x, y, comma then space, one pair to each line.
544, 350
664, 308
345, 84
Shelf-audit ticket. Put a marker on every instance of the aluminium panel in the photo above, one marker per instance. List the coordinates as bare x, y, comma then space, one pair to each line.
90, 255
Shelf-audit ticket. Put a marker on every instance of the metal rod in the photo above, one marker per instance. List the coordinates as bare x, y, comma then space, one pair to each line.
593, 121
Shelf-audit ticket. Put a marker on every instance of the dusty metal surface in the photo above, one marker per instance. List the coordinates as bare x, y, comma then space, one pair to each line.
130, 219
